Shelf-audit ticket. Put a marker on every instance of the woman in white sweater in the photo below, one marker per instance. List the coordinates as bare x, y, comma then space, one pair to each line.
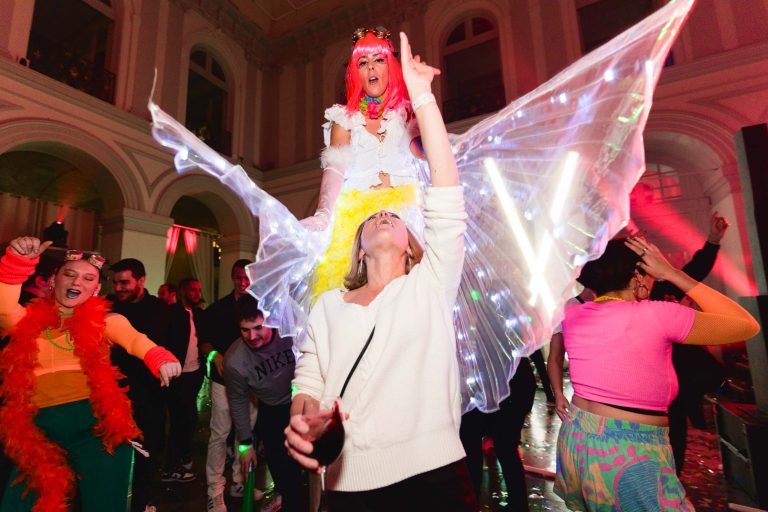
402, 449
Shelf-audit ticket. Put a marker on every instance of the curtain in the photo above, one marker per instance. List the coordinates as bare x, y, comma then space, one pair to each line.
198, 246
171, 242
21, 216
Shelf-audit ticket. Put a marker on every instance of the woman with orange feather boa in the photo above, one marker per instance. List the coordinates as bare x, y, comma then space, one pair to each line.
66, 423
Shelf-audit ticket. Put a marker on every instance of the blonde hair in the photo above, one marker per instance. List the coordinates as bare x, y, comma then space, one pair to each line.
358, 273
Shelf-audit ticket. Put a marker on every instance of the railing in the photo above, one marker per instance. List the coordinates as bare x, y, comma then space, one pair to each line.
474, 104
63, 65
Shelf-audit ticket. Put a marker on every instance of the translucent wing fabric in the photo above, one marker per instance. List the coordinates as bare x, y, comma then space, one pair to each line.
547, 182
287, 251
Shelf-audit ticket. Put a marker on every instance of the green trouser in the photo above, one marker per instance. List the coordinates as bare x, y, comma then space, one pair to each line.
103, 479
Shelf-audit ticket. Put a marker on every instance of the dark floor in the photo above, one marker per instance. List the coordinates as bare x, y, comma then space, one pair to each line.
702, 476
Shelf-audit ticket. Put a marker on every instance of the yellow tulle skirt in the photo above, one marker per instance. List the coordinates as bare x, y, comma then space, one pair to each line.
352, 208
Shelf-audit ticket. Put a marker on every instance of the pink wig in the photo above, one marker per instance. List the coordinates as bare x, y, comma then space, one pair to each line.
396, 95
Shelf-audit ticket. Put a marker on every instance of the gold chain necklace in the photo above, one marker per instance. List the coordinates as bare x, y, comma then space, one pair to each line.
66, 338
607, 298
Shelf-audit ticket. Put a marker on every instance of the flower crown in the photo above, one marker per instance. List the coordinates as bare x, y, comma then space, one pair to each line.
380, 32
94, 259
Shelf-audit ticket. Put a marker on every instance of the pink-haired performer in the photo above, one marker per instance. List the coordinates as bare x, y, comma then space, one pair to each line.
369, 159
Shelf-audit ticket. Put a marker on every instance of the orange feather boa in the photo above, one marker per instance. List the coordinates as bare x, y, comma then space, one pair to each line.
40, 462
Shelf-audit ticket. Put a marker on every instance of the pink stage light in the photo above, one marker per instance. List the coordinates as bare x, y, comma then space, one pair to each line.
190, 241
669, 224
172, 239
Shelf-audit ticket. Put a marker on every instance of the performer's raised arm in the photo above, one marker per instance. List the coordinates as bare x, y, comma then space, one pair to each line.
418, 78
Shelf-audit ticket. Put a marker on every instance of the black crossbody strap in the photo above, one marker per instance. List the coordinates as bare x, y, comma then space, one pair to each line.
354, 366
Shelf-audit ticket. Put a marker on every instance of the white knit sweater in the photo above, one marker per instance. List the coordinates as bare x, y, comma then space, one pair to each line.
403, 400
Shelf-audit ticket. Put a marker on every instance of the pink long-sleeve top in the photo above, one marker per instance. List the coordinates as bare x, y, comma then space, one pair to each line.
620, 353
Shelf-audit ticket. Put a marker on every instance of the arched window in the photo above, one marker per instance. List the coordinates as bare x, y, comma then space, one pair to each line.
192, 245
72, 41
208, 101
600, 20
472, 83
663, 182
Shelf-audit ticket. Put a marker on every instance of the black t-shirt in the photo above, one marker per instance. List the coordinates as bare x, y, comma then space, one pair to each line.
148, 316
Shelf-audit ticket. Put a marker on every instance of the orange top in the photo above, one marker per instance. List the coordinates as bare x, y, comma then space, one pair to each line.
60, 378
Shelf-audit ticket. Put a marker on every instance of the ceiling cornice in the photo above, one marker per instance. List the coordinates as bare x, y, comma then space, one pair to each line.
311, 40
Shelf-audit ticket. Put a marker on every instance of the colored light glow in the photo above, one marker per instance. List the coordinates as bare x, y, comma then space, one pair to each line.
172, 239
475, 295
62, 213
669, 224
518, 231
565, 180
190, 241
563, 185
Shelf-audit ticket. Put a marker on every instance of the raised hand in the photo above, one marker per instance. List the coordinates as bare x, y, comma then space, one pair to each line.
652, 261
418, 75
717, 227
28, 246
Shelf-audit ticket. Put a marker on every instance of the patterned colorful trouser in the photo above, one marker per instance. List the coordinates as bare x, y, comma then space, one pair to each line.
604, 464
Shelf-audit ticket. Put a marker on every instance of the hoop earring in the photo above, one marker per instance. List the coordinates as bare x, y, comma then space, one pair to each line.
408, 263
360, 267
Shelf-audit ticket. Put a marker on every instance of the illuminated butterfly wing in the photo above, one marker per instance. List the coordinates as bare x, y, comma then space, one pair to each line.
547, 182
287, 251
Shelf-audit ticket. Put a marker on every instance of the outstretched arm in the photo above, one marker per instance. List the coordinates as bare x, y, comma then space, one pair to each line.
334, 168
158, 360
418, 79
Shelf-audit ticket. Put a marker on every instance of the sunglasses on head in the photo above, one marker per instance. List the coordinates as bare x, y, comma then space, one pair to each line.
94, 259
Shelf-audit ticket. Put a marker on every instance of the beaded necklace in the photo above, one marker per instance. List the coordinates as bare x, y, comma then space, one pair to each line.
69, 346
607, 298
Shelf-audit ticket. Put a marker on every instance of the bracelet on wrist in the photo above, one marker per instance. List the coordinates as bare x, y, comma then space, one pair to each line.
422, 99
211, 356
243, 448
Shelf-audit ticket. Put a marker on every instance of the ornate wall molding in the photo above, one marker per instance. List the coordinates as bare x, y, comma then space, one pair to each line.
313, 38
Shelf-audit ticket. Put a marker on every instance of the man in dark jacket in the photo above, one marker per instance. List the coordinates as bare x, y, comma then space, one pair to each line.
181, 396
148, 315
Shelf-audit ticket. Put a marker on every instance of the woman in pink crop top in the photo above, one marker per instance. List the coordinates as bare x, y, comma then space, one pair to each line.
614, 441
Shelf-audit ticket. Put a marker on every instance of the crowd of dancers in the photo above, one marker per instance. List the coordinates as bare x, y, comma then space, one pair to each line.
378, 352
